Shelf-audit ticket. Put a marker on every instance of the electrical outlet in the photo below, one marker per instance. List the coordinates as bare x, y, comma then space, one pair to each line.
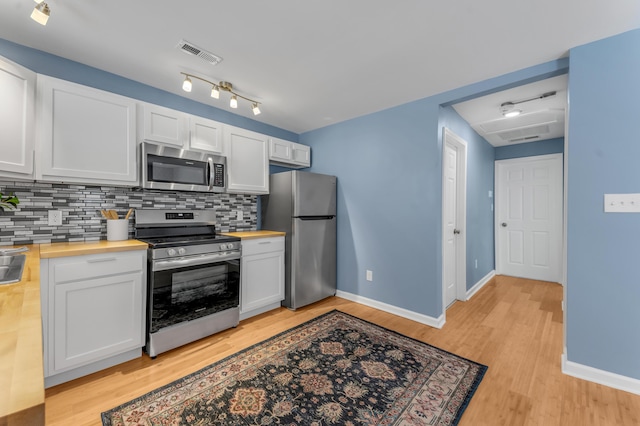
239, 215
55, 217
369, 275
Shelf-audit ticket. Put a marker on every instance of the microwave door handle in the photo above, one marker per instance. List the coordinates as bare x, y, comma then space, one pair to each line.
210, 168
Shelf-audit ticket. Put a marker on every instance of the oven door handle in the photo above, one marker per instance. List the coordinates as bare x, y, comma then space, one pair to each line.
182, 262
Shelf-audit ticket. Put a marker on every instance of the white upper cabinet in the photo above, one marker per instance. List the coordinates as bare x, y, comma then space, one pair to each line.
289, 154
162, 125
84, 134
205, 134
247, 161
17, 116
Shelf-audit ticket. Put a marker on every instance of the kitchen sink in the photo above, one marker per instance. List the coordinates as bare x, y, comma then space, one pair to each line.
11, 268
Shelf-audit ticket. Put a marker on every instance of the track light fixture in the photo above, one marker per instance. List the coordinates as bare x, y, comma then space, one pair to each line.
41, 12
508, 109
224, 86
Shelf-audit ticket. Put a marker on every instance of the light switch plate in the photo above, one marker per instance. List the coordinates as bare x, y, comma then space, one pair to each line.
622, 203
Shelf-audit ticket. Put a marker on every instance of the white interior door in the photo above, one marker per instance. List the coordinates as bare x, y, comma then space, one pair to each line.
453, 218
529, 217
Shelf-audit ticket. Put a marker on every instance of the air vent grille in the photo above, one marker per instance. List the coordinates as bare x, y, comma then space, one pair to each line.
519, 134
194, 50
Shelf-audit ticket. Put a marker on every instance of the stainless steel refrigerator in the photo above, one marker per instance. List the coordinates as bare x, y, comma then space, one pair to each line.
303, 205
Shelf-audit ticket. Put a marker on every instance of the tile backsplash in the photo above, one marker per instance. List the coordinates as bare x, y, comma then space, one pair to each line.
81, 204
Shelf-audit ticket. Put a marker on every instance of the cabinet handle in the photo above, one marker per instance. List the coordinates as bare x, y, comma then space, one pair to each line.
264, 242
105, 259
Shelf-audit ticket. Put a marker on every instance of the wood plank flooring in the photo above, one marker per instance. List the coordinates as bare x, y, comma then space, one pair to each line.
512, 325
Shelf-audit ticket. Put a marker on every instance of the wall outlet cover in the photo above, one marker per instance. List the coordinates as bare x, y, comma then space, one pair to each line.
55, 218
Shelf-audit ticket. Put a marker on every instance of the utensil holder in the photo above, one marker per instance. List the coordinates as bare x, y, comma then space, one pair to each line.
117, 229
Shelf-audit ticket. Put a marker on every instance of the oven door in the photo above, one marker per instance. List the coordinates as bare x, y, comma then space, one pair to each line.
184, 289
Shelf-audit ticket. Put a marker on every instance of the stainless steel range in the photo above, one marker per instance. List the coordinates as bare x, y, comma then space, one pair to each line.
193, 277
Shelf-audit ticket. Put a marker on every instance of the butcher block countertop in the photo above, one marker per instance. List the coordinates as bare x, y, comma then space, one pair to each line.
48, 251
21, 370
21, 362
245, 235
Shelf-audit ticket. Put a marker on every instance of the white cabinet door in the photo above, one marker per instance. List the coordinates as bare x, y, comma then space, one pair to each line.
84, 135
95, 308
247, 161
205, 134
289, 154
17, 117
301, 155
163, 125
279, 150
262, 274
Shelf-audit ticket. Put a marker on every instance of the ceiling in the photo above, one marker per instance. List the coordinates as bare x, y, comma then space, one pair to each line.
541, 118
311, 64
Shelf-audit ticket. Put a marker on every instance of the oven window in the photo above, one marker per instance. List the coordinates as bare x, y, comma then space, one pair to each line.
185, 294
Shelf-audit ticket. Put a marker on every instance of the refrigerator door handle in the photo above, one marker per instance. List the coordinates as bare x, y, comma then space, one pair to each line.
315, 217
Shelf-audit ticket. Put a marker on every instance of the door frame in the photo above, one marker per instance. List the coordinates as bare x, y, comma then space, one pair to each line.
496, 239
450, 138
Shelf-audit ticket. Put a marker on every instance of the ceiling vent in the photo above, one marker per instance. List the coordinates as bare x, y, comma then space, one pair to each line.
191, 49
528, 133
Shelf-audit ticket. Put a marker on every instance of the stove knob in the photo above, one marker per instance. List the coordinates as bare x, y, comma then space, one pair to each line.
223, 246
171, 252
182, 251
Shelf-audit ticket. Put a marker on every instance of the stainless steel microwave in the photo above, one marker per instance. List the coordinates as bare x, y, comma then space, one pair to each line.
169, 168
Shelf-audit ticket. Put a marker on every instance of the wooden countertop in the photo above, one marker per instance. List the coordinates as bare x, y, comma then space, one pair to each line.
51, 250
21, 367
21, 357
245, 235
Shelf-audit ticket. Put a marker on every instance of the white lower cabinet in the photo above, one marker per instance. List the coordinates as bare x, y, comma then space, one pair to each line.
93, 312
261, 275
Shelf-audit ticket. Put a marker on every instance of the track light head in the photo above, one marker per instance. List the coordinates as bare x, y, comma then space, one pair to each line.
215, 92
233, 103
508, 109
255, 109
41, 13
186, 84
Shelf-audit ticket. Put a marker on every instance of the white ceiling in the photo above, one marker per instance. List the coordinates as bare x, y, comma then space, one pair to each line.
540, 119
316, 63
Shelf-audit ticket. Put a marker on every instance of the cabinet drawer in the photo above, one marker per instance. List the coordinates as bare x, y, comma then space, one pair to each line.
262, 245
95, 266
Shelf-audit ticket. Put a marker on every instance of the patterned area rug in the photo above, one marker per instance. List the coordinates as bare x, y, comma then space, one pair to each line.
333, 370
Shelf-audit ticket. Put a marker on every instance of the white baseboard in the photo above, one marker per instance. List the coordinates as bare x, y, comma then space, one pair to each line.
477, 286
602, 377
401, 312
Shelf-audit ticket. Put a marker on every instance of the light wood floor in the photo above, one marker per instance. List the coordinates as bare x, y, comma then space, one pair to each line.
512, 325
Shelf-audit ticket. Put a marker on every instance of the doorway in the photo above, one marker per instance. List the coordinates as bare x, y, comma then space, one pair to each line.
454, 207
529, 217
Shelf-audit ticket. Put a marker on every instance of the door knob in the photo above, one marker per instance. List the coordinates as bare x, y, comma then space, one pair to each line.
456, 231
503, 224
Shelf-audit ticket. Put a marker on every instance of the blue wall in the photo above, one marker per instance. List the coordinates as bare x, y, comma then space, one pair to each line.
389, 167
55, 66
480, 180
603, 276
549, 146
